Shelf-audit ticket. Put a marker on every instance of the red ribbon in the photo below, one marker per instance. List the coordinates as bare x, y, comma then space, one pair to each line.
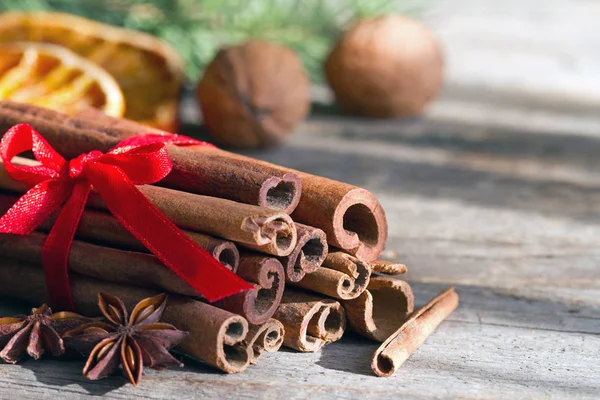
137, 160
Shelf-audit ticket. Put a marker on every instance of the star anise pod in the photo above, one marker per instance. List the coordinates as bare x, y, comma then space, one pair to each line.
133, 342
36, 332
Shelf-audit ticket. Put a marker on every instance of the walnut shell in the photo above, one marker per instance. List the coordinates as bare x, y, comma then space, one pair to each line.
254, 94
385, 66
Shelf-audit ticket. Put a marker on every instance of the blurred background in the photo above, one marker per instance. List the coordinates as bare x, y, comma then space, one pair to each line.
535, 54
198, 28
533, 46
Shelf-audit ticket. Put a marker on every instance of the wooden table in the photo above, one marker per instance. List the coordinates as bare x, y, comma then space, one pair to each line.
494, 191
507, 215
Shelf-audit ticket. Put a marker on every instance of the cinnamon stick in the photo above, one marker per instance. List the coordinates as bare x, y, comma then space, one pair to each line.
103, 229
254, 227
402, 343
108, 264
266, 337
381, 309
213, 173
388, 267
341, 276
308, 255
259, 304
215, 335
309, 321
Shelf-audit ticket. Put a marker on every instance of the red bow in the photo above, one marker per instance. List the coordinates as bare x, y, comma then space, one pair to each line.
113, 175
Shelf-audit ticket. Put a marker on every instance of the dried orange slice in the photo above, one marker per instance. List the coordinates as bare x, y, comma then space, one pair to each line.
54, 77
149, 72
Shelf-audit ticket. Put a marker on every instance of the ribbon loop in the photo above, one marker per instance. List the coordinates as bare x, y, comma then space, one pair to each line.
21, 138
148, 163
141, 159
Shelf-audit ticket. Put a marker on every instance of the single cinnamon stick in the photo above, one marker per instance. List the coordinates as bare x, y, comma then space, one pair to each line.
402, 343
308, 255
108, 264
254, 227
388, 267
381, 309
309, 321
103, 229
213, 173
259, 304
341, 276
266, 337
215, 335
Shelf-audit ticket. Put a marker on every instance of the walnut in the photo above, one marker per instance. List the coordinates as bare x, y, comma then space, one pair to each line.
387, 66
254, 94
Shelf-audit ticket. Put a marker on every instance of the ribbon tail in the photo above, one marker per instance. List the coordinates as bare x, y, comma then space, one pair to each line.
55, 253
164, 239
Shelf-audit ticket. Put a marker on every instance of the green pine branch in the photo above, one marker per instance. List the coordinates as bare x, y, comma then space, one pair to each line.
197, 29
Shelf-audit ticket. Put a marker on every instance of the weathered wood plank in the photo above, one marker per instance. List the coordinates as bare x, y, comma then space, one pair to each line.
547, 47
479, 351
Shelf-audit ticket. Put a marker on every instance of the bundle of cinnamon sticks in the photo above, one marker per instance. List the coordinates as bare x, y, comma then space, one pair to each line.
308, 244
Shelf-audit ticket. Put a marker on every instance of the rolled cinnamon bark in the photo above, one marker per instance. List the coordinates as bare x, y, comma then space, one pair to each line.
254, 227
259, 304
266, 337
108, 264
214, 173
215, 335
402, 343
103, 229
308, 255
388, 267
341, 276
381, 309
351, 217
309, 321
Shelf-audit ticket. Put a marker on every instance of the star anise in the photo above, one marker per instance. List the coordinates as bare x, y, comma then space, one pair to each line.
133, 342
36, 332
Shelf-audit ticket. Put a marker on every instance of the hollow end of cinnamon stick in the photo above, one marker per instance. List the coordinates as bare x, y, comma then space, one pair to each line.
381, 309
310, 321
273, 336
352, 217
259, 304
227, 254
360, 225
223, 250
329, 323
232, 356
267, 337
308, 255
402, 343
281, 193
341, 276
275, 234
